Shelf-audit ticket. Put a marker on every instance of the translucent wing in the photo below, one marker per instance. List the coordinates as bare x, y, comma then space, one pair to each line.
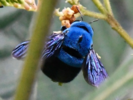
53, 44
93, 70
19, 52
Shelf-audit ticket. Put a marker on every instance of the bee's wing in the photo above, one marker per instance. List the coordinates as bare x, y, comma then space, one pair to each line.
93, 70
19, 52
51, 47
53, 44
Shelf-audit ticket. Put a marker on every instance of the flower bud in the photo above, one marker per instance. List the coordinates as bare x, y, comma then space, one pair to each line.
75, 8
65, 23
68, 12
72, 19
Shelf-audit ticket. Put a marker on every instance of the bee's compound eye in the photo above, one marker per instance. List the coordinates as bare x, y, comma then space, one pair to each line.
80, 39
91, 46
63, 28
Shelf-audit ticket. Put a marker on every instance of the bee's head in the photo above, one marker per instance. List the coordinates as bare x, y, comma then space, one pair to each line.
77, 41
83, 25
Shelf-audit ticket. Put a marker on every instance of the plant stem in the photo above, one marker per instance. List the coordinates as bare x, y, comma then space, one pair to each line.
108, 7
31, 63
111, 20
93, 14
107, 15
117, 27
99, 6
3, 2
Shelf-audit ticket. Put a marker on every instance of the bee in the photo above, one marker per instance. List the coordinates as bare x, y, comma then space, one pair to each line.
67, 53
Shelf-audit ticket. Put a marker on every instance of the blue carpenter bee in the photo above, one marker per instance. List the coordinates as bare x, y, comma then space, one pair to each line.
68, 52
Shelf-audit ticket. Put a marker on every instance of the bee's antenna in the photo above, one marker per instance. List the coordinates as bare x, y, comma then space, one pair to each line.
80, 13
93, 21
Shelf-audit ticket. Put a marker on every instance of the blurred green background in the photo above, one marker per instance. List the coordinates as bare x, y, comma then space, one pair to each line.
16, 26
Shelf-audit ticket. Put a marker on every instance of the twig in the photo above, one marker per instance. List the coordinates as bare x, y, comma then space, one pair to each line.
107, 15
117, 27
108, 7
31, 63
100, 6
93, 14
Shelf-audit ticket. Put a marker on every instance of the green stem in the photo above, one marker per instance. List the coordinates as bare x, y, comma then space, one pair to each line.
73, 2
108, 6
21, 1
31, 63
113, 22
93, 14
3, 2
107, 16
99, 6
117, 27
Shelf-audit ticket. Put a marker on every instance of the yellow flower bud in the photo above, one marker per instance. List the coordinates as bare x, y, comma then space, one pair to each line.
65, 23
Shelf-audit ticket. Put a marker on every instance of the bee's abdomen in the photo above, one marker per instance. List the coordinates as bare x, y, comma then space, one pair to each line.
59, 71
